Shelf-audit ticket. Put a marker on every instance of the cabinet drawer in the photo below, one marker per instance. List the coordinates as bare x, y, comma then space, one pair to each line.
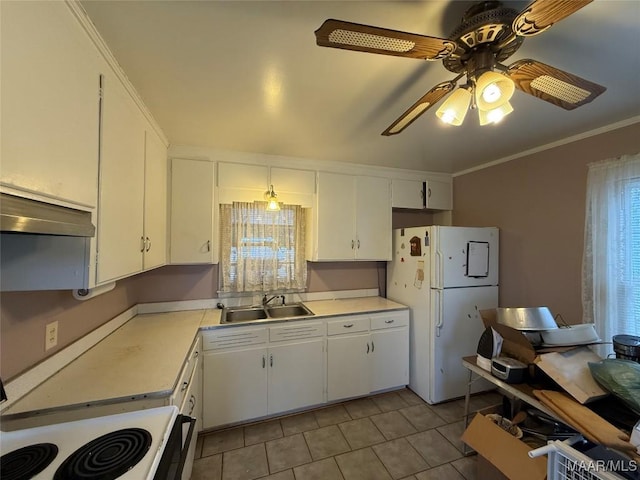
390, 320
234, 337
348, 325
295, 331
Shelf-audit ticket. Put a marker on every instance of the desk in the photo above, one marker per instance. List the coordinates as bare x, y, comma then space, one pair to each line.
520, 391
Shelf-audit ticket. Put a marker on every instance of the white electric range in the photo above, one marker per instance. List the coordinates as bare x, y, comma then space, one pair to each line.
144, 444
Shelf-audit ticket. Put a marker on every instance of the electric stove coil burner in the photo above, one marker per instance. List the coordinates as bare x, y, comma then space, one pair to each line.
107, 457
27, 462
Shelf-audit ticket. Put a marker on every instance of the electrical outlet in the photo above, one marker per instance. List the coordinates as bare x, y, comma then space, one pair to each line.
51, 335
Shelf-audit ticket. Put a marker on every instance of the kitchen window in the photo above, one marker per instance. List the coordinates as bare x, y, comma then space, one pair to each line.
611, 263
262, 250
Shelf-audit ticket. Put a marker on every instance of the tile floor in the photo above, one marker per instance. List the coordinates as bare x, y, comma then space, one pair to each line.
393, 435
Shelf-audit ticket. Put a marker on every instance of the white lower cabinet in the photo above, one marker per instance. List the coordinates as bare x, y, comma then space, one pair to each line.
348, 369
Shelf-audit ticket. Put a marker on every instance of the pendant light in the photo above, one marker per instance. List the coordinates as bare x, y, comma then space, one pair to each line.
272, 200
454, 109
493, 90
495, 115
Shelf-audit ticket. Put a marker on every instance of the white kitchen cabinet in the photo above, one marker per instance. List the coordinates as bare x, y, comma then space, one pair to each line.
293, 187
155, 201
439, 195
407, 193
352, 219
50, 103
192, 229
120, 234
366, 354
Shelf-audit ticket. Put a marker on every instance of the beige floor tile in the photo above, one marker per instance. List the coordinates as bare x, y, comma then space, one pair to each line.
287, 452
298, 423
326, 442
207, 468
453, 432
467, 466
433, 447
245, 463
393, 425
262, 432
218, 442
362, 465
450, 411
332, 415
199, 443
361, 408
422, 417
361, 433
286, 475
389, 401
326, 469
411, 398
399, 458
443, 472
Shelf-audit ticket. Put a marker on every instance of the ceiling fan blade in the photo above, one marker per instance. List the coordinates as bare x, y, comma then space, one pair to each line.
365, 38
552, 85
542, 14
427, 101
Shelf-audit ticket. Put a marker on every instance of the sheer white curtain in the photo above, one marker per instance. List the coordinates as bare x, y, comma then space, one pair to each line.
611, 261
262, 251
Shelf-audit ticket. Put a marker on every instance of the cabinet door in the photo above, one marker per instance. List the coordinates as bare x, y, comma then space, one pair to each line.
296, 375
439, 195
192, 233
120, 214
293, 187
334, 228
242, 183
234, 386
155, 201
407, 194
50, 96
348, 366
373, 218
389, 358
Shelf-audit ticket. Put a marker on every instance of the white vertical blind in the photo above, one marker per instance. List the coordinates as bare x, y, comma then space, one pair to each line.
611, 262
262, 251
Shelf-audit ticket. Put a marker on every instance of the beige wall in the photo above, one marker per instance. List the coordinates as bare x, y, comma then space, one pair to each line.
538, 202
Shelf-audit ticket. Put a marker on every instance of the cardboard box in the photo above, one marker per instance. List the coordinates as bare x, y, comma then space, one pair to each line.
505, 453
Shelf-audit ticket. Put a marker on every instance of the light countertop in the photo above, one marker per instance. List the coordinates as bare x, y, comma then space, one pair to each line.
146, 355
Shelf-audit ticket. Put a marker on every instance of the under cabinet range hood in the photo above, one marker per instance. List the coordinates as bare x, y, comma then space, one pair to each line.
22, 215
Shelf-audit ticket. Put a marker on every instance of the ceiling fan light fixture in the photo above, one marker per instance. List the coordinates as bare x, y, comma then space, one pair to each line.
454, 109
272, 200
493, 89
494, 115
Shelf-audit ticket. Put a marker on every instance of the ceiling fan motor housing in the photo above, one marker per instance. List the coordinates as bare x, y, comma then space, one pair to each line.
485, 27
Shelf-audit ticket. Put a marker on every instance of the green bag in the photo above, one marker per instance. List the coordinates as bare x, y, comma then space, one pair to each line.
621, 378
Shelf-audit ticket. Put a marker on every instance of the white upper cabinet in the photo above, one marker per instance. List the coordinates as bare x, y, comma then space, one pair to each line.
439, 195
50, 96
121, 241
407, 193
239, 182
351, 219
193, 238
155, 201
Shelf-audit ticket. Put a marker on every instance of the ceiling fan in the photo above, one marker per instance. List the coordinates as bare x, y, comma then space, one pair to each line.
488, 34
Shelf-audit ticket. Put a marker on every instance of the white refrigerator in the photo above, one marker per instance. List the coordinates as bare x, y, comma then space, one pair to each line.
446, 275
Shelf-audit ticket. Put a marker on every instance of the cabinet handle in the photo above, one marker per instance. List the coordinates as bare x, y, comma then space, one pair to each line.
358, 244
429, 190
353, 244
264, 362
389, 321
142, 244
184, 386
148, 242
373, 347
271, 360
192, 404
196, 353
208, 245
348, 325
367, 347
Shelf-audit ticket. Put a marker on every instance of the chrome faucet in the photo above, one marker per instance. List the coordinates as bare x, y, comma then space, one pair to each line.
266, 301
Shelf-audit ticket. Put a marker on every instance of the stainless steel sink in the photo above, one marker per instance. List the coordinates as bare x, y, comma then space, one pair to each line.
248, 314
284, 311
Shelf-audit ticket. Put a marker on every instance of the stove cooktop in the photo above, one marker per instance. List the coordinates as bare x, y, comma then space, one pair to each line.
126, 446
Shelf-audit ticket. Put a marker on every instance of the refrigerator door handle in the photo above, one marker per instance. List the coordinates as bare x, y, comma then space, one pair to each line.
440, 310
437, 270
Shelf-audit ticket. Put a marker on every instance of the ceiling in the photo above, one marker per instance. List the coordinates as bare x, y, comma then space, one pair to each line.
248, 76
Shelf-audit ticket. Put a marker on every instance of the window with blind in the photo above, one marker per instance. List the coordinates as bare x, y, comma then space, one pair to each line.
611, 261
262, 250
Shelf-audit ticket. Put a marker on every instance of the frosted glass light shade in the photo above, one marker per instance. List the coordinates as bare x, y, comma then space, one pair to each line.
272, 200
495, 114
454, 109
492, 90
